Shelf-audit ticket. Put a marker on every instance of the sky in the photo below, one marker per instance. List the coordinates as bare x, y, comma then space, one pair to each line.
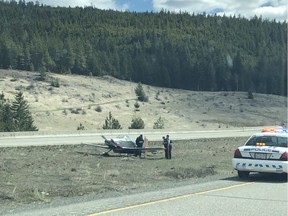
268, 9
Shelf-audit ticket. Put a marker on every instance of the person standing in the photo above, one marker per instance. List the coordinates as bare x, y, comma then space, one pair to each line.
165, 144
169, 147
139, 143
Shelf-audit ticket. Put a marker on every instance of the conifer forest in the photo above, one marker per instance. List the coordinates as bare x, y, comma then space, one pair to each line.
196, 52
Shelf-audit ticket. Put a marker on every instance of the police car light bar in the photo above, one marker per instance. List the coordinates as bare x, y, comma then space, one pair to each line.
275, 130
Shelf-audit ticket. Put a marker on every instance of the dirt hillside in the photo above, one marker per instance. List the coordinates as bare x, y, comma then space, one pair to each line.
88, 100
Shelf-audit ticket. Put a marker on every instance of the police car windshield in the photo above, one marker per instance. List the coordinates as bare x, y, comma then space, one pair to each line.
276, 141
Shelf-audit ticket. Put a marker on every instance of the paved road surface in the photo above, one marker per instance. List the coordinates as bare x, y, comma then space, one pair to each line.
262, 195
240, 199
31, 139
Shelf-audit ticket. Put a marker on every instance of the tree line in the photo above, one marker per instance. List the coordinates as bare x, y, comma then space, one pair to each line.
178, 50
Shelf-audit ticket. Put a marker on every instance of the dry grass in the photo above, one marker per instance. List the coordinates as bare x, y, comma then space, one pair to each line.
46, 173
88, 100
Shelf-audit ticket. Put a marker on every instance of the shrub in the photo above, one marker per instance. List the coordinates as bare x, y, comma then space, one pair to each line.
42, 74
65, 112
98, 109
139, 91
55, 83
136, 105
157, 95
81, 127
159, 124
137, 123
250, 95
75, 111
111, 123
186, 173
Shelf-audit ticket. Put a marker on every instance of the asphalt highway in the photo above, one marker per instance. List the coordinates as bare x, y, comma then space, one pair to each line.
237, 199
34, 139
264, 196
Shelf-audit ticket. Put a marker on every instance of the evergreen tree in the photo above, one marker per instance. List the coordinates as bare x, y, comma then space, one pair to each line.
6, 119
260, 75
159, 124
238, 73
22, 118
141, 96
111, 123
137, 123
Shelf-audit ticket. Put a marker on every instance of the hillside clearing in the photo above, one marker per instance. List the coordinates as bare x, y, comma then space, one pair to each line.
88, 100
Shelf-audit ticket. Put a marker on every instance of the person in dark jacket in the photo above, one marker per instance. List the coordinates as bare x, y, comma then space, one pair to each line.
139, 143
165, 144
168, 147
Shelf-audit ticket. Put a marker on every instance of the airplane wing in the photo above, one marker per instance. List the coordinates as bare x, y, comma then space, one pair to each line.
144, 149
97, 146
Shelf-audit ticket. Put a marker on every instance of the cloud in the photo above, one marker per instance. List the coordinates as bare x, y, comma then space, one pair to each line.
279, 12
273, 9
268, 9
101, 4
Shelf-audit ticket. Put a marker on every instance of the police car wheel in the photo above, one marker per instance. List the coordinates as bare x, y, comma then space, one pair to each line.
243, 174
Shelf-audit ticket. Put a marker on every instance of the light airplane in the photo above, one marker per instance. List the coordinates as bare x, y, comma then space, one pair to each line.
124, 145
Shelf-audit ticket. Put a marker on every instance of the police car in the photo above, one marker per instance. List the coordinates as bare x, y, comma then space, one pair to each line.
264, 152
